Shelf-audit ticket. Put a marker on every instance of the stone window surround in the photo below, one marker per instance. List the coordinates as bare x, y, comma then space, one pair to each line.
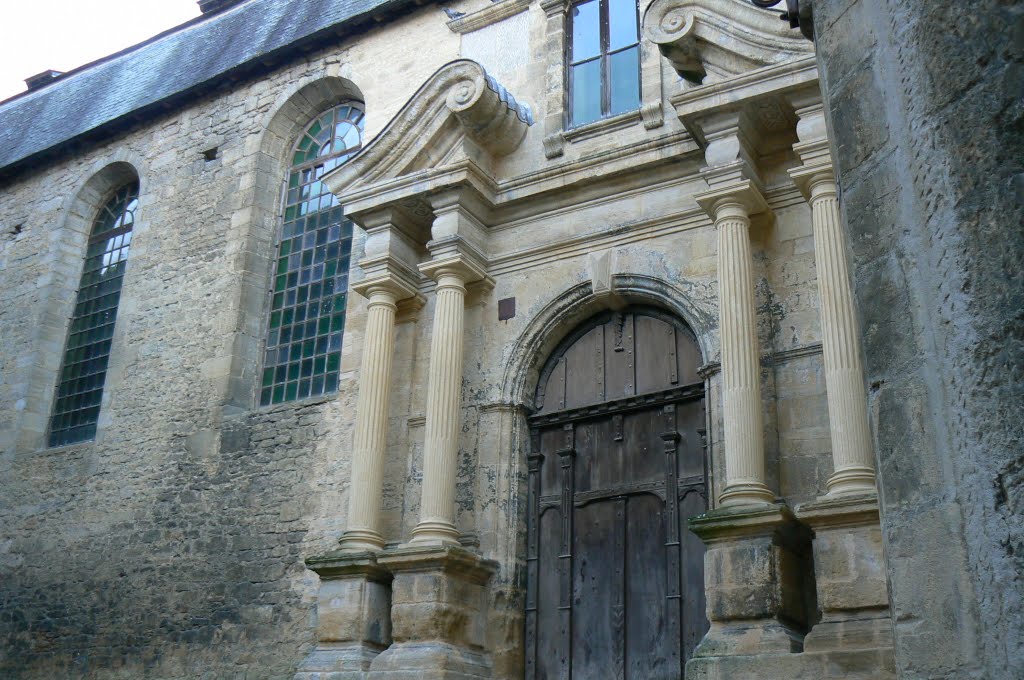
67, 262
257, 237
556, 118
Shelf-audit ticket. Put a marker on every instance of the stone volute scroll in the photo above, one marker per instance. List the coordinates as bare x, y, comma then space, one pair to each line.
712, 40
456, 124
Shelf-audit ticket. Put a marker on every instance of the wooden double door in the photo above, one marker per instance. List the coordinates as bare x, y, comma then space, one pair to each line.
615, 585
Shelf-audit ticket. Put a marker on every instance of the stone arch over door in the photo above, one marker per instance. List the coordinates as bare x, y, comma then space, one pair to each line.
615, 582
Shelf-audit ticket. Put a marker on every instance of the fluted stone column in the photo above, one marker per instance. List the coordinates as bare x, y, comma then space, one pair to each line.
441, 440
370, 438
741, 370
844, 375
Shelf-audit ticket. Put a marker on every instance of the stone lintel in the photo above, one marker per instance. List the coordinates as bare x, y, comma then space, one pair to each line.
841, 511
737, 522
695, 104
744, 193
446, 559
340, 565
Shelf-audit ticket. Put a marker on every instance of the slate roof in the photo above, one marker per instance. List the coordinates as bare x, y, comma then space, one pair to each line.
182, 63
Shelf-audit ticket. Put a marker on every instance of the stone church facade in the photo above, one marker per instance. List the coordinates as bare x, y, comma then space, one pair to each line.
384, 340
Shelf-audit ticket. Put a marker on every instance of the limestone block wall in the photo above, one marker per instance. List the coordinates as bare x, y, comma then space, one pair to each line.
173, 545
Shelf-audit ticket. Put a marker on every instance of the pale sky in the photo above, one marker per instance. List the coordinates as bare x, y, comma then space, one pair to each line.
36, 35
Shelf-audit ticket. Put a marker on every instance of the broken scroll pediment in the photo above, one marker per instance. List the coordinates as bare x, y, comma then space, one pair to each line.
460, 113
713, 40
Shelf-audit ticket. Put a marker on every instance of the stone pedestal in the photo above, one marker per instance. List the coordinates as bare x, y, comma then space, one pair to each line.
438, 613
354, 616
850, 575
757, 582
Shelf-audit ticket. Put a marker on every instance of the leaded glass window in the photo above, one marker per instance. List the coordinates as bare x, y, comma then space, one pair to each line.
604, 59
76, 409
310, 280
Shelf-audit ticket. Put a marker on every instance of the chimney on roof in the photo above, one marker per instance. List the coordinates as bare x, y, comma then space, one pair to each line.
214, 6
38, 80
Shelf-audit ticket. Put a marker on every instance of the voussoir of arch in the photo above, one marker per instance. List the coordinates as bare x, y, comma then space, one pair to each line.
567, 310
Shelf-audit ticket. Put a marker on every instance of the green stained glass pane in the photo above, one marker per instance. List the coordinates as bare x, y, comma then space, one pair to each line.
83, 371
333, 361
268, 377
313, 250
275, 319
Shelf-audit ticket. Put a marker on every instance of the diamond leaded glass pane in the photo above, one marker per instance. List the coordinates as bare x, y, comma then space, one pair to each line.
310, 278
83, 372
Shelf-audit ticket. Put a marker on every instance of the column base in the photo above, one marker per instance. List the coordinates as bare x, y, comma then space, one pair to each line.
757, 574
353, 616
850, 575
852, 481
430, 661
857, 665
361, 540
438, 610
434, 532
747, 493
345, 662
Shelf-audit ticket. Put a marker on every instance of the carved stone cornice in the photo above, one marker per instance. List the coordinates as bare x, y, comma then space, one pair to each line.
719, 39
492, 14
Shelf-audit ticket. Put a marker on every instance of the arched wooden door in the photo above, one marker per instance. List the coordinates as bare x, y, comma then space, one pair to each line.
615, 582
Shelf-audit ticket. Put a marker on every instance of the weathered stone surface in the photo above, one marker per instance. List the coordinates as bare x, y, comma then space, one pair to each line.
925, 109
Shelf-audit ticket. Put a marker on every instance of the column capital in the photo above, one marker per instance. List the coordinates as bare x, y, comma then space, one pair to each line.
454, 255
390, 275
742, 199
814, 181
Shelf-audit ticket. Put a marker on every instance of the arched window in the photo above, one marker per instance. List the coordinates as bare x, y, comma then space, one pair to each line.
76, 409
310, 281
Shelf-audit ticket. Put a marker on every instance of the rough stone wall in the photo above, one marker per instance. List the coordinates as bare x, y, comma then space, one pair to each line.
926, 114
172, 547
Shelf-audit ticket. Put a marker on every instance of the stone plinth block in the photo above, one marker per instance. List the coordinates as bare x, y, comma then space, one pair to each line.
438, 614
353, 616
849, 570
757, 580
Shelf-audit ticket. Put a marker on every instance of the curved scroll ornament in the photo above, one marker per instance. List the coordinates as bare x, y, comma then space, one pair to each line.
719, 38
489, 113
459, 101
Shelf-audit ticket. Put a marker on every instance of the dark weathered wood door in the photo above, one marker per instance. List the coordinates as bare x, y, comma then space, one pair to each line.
615, 585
